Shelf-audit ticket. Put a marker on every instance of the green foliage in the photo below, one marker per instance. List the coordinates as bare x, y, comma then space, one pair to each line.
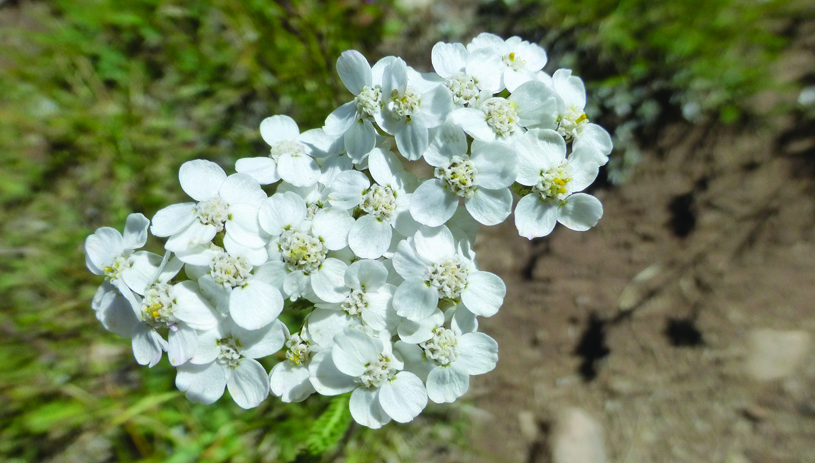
101, 102
330, 426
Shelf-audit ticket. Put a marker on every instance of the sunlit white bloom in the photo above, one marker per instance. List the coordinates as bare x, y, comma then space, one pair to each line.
367, 366
112, 254
224, 203
291, 155
354, 120
360, 294
498, 118
379, 207
249, 294
289, 379
520, 60
552, 185
481, 180
299, 247
447, 359
468, 77
435, 268
225, 358
411, 106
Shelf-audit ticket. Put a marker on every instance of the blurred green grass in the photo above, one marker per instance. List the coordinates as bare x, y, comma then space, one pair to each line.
101, 102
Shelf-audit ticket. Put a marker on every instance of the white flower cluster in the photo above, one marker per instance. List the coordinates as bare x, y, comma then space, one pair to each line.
384, 262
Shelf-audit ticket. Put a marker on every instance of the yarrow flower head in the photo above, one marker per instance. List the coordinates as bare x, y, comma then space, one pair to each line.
332, 224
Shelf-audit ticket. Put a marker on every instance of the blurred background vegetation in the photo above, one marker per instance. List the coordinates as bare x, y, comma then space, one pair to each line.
101, 101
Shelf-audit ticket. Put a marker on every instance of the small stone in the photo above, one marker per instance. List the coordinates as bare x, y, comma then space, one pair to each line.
529, 427
578, 439
775, 354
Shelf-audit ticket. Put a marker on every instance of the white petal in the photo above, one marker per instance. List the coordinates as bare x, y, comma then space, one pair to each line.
435, 244
208, 348
380, 314
299, 170
415, 300
341, 119
407, 263
241, 188
255, 256
360, 139
447, 140
202, 383
354, 71
326, 378
484, 293
248, 384
347, 188
432, 204
412, 140
278, 128
354, 349
196, 233
329, 282
141, 274
474, 122
332, 225
580, 212
448, 58
135, 233
243, 225
370, 237
192, 308
570, 88
255, 305
490, 207
414, 358
483, 65
446, 384
147, 346
263, 342
434, 106
403, 397
103, 246
182, 344
262, 169
290, 382
367, 274
495, 163
365, 408
201, 179
478, 353
114, 311
593, 142
172, 219
323, 325
535, 218
464, 321
281, 210
537, 104
415, 332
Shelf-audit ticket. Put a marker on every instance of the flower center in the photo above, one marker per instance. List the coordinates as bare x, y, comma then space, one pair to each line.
459, 176
501, 115
514, 61
377, 372
462, 87
157, 306
571, 124
299, 350
214, 211
355, 302
442, 347
229, 354
313, 208
368, 101
290, 147
301, 251
119, 265
405, 105
552, 183
379, 201
230, 271
450, 278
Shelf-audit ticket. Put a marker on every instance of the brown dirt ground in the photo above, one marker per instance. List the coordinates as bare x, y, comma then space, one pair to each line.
644, 322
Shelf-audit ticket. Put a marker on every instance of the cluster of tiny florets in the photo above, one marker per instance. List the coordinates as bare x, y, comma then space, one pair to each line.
334, 224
